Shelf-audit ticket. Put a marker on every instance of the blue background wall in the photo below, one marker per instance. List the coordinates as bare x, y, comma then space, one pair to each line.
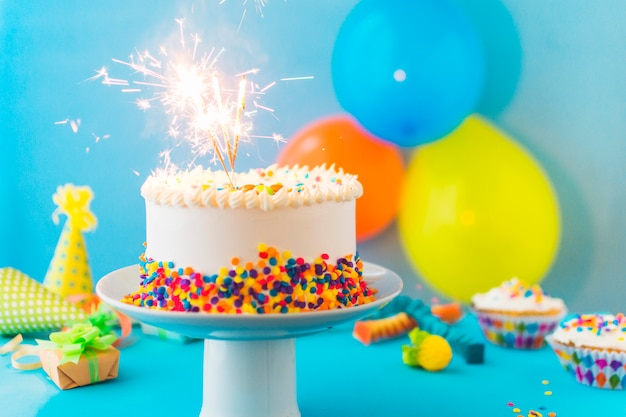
566, 83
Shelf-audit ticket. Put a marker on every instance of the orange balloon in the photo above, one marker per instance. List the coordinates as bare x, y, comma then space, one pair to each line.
340, 140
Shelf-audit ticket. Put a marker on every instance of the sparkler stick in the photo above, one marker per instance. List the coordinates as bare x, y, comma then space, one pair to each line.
226, 136
241, 100
220, 157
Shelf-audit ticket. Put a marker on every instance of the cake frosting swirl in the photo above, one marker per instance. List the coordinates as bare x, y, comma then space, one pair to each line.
516, 296
605, 331
263, 188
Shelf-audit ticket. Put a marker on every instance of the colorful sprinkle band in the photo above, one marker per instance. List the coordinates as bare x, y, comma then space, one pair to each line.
595, 323
276, 283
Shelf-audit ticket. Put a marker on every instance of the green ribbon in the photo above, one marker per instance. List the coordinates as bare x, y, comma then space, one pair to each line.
74, 342
103, 318
162, 333
92, 363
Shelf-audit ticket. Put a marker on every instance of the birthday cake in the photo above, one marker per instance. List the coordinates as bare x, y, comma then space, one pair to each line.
272, 240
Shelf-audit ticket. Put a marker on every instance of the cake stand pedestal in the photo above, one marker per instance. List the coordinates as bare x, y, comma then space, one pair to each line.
249, 360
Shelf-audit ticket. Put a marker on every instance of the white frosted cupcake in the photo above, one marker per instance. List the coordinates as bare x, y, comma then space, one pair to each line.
517, 315
592, 347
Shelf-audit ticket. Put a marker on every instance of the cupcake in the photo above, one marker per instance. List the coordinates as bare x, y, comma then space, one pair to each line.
592, 347
517, 315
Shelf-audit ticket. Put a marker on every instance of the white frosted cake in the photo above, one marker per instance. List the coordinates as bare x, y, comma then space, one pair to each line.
277, 239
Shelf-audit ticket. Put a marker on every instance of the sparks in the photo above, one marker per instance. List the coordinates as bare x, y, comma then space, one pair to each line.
98, 138
206, 109
258, 5
74, 124
276, 137
305, 77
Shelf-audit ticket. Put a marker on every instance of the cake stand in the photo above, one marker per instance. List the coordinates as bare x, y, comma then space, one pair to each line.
249, 360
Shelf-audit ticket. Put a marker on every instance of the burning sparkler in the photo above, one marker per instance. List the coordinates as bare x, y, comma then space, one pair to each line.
204, 112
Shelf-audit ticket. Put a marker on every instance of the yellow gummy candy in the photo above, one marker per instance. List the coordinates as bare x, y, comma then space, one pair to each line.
434, 353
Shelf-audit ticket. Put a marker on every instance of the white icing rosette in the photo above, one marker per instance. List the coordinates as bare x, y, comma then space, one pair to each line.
263, 188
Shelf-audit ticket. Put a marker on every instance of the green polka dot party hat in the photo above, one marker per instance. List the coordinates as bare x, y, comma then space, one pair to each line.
69, 273
26, 306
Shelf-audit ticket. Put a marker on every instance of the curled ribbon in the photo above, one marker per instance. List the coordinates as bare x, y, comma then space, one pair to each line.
19, 351
102, 316
82, 338
74, 341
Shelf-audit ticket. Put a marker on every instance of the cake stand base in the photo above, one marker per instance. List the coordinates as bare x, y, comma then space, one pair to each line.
255, 378
249, 360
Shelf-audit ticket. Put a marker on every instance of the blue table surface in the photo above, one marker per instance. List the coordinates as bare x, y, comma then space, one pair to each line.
336, 376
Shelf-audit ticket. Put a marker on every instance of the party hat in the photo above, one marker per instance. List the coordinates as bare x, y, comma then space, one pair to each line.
69, 273
26, 306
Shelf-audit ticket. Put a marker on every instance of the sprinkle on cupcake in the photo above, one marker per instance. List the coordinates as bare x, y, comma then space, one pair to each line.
517, 295
596, 324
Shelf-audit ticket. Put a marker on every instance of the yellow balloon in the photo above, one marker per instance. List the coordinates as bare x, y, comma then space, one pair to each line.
476, 210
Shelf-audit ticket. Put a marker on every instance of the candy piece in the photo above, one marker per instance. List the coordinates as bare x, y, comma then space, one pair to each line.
431, 352
371, 331
467, 345
448, 313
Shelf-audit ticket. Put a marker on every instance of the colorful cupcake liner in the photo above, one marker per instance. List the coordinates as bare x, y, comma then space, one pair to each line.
518, 332
592, 367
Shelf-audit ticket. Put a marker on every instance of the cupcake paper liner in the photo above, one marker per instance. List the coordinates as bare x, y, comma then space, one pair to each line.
518, 332
592, 367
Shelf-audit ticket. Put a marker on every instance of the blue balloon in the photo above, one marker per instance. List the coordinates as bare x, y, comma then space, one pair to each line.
503, 53
409, 71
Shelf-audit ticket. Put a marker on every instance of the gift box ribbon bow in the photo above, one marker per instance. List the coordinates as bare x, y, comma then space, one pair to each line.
77, 340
